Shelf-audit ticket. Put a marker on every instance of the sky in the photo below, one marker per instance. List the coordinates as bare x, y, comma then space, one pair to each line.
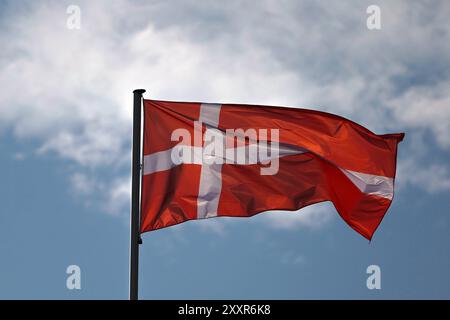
65, 144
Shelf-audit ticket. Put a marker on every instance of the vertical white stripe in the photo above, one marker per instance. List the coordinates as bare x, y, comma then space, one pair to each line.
211, 174
210, 114
209, 190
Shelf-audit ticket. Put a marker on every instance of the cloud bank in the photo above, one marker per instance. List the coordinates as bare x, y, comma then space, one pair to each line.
69, 91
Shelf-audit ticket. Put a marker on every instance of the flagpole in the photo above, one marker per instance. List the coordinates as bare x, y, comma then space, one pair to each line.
135, 186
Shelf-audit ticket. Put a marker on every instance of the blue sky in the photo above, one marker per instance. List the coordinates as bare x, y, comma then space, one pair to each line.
65, 133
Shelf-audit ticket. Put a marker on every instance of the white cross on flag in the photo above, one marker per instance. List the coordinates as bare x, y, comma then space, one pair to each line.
207, 160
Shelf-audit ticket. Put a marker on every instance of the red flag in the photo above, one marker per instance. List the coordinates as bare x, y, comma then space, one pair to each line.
208, 160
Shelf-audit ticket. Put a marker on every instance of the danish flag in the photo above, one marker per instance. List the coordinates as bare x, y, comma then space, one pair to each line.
275, 158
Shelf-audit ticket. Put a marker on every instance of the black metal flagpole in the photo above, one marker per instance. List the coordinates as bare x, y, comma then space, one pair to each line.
135, 186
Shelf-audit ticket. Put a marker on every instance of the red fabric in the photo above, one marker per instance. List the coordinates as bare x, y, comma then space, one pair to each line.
170, 197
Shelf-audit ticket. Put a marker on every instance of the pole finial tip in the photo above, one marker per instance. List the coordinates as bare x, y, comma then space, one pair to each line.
139, 91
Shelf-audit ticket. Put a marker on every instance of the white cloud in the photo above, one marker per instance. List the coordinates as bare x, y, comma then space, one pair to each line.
432, 177
82, 183
118, 196
216, 226
293, 258
112, 195
70, 90
314, 216
426, 107
19, 156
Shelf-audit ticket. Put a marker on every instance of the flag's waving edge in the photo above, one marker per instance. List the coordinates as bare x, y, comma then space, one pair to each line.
290, 158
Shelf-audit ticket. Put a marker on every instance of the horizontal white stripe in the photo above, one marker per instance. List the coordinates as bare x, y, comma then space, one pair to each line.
163, 160
372, 184
158, 161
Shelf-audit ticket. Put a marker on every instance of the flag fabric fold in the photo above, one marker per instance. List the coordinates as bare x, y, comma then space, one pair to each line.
206, 160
